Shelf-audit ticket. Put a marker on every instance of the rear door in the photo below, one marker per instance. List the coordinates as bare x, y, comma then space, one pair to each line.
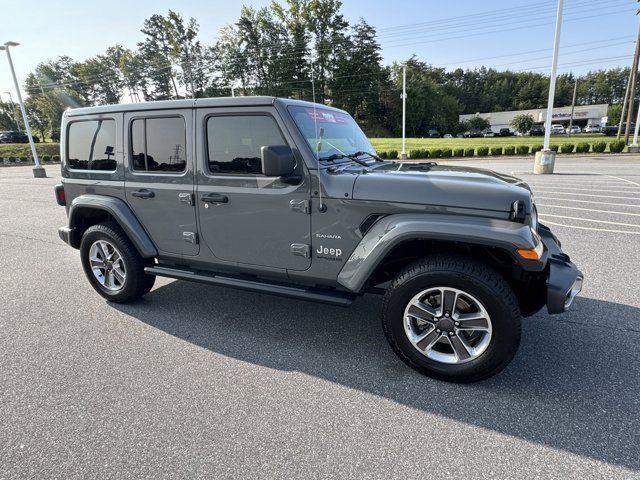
245, 216
159, 180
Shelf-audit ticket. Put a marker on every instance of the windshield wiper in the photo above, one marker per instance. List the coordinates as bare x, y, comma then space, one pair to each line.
359, 154
352, 156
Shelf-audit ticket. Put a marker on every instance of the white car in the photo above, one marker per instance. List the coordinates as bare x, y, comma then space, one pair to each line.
574, 129
447, 135
557, 129
488, 133
592, 129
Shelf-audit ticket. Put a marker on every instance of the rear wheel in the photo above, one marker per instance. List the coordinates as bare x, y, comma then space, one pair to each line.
112, 264
453, 318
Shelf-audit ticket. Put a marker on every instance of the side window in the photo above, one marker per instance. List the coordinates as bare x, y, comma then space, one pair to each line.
91, 145
234, 142
159, 145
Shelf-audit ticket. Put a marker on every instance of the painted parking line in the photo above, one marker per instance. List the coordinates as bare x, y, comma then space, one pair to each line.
623, 180
555, 224
597, 202
633, 192
587, 209
595, 196
582, 219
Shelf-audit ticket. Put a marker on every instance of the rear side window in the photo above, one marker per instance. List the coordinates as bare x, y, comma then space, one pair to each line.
234, 142
91, 145
159, 145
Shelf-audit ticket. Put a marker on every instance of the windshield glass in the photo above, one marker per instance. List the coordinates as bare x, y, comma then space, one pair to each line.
336, 133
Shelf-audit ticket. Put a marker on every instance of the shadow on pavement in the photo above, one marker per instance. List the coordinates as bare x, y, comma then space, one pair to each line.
573, 386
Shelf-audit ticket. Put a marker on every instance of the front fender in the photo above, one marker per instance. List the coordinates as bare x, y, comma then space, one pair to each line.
393, 230
122, 214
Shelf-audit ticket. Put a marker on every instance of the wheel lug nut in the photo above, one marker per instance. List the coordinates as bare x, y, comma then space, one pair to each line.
457, 324
446, 314
451, 334
437, 330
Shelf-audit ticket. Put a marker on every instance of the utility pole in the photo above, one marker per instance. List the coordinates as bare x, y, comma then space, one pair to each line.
626, 100
546, 159
632, 89
403, 154
573, 104
38, 170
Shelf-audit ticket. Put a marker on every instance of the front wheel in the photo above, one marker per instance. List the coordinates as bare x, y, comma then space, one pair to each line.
452, 318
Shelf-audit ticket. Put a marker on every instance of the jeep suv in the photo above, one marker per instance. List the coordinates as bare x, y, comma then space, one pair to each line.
289, 198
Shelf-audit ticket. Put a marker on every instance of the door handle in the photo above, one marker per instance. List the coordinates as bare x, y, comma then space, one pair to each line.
144, 193
214, 198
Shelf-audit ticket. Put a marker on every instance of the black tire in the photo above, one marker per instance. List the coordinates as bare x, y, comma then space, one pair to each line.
473, 277
137, 283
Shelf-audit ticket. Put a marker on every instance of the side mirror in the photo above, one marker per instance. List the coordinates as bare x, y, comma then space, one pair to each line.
277, 161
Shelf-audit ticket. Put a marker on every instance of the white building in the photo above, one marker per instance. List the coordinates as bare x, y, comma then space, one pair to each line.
582, 115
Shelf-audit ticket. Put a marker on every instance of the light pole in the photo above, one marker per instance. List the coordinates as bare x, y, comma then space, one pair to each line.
38, 170
13, 109
546, 159
403, 154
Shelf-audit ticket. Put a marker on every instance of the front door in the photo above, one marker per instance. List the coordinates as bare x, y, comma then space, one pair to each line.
246, 217
159, 178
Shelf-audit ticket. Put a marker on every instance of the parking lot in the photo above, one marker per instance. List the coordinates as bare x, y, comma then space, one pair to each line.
199, 381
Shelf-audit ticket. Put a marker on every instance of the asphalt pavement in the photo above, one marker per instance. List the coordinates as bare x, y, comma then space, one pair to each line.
196, 381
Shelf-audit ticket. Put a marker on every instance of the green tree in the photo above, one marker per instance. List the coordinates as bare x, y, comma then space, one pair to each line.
522, 123
477, 122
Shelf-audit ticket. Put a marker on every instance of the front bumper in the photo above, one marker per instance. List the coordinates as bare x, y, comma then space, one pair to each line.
565, 280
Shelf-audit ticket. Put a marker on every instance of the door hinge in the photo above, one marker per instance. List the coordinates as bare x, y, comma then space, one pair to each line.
303, 206
186, 198
300, 249
190, 237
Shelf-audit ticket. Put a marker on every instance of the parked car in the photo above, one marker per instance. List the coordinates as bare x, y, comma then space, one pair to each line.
447, 135
460, 135
487, 133
505, 132
557, 129
473, 133
575, 129
611, 130
592, 129
433, 134
13, 137
537, 130
223, 191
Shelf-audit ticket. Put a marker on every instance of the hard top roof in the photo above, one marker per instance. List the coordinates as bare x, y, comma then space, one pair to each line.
251, 101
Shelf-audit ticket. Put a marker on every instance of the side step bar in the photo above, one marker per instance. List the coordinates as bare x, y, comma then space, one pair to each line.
310, 294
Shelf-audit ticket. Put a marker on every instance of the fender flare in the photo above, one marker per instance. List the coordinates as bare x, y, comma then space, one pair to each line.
393, 230
122, 214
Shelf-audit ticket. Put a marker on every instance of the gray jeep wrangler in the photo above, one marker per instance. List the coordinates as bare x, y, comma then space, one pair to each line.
289, 198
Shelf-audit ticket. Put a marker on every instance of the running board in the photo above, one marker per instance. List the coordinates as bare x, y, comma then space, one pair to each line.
310, 294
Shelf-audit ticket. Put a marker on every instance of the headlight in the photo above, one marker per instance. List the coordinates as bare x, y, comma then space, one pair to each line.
534, 218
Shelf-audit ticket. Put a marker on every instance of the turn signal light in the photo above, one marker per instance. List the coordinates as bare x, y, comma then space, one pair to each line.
61, 198
531, 253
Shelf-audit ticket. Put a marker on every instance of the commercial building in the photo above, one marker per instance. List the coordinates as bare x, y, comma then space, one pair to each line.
582, 116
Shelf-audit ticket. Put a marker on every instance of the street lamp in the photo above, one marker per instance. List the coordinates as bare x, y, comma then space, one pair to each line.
13, 109
38, 170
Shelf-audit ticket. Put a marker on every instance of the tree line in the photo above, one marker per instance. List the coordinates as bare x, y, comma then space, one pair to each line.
302, 49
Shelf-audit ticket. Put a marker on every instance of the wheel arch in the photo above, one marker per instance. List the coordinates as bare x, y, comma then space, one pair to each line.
88, 210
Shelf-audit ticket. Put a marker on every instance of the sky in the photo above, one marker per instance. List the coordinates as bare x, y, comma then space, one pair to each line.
514, 34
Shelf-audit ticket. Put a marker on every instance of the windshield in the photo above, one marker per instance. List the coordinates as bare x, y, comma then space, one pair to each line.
336, 133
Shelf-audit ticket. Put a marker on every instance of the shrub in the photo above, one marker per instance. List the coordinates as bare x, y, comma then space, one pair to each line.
56, 158
537, 148
554, 148
24, 159
510, 150
599, 147
46, 158
382, 155
446, 153
583, 147
567, 148
483, 151
469, 152
458, 152
435, 153
617, 146
496, 150
522, 149
392, 154
13, 159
